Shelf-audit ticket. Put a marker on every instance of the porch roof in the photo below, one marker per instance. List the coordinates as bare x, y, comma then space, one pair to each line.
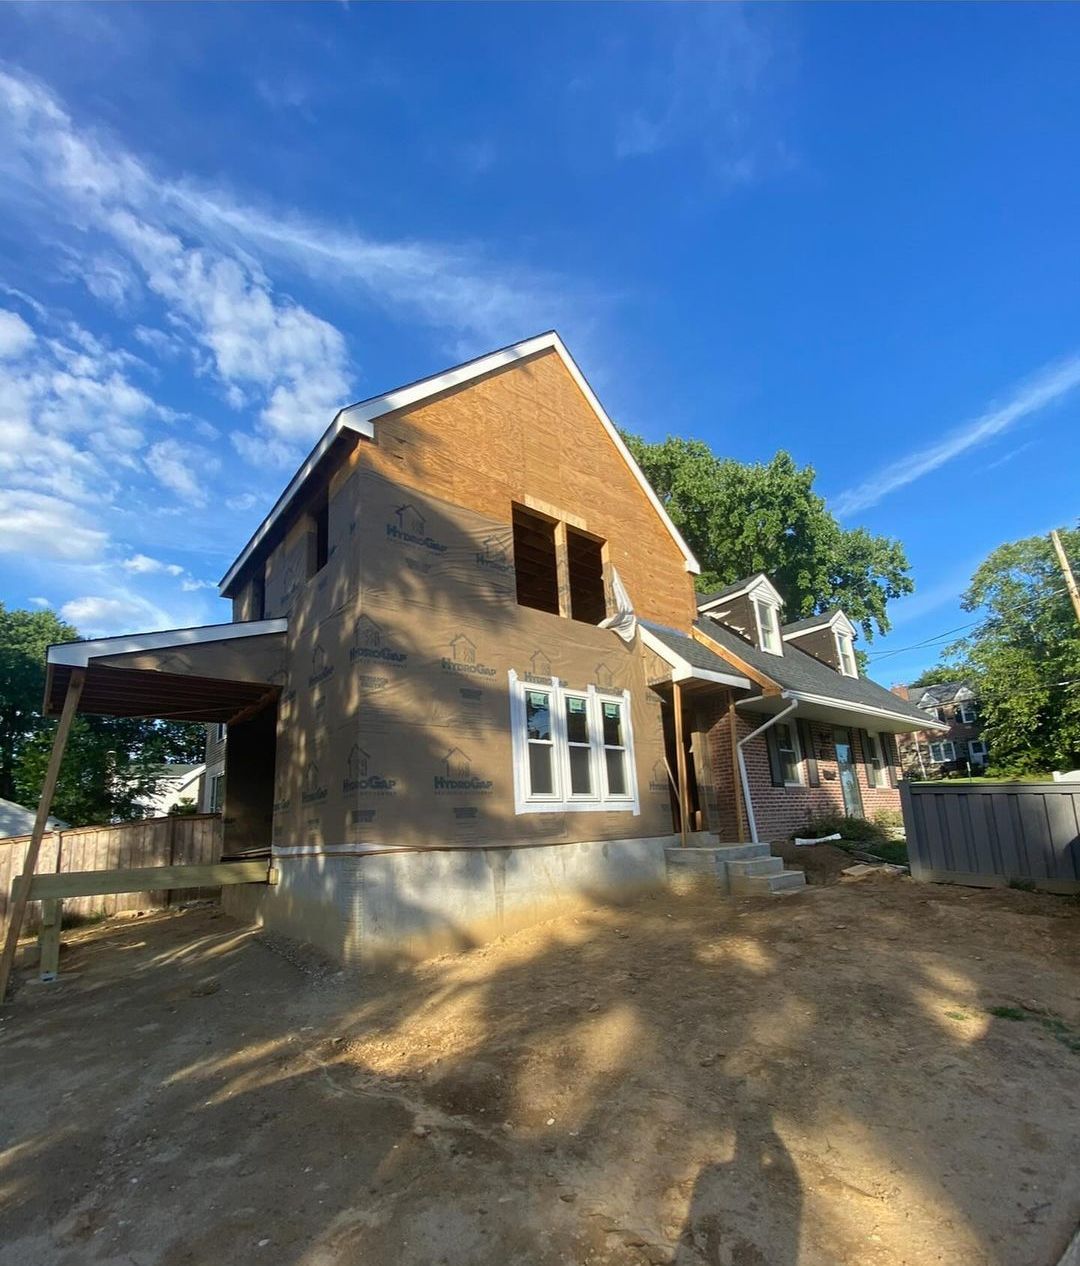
689, 660
213, 673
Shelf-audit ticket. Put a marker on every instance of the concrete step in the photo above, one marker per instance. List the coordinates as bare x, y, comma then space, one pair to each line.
740, 852
762, 885
766, 865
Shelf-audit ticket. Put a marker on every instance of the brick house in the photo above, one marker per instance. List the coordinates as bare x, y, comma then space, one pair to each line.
810, 737
958, 749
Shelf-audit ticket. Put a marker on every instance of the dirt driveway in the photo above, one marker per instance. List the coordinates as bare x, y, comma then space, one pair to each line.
815, 1079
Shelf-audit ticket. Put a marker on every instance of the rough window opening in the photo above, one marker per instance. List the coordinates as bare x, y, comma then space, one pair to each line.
585, 564
535, 562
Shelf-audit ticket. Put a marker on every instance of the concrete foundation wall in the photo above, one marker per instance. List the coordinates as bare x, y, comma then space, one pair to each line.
409, 906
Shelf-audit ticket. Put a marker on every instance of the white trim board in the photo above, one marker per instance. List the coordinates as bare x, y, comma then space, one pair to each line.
79, 654
758, 581
362, 416
837, 619
862, 709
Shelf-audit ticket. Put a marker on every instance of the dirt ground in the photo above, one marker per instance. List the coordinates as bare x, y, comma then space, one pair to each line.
812, 1079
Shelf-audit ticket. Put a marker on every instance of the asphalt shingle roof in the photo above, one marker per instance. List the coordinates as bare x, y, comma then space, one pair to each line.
811, 621
943, 692
736, 587
696, 655
796, 670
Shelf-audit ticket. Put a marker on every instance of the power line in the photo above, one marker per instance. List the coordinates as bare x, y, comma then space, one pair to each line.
940, 637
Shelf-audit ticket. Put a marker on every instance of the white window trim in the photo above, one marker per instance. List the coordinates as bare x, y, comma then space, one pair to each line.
793, 730
881, 770
217, 802
845, 651
759, 602
966, 713
561, 800
941, 745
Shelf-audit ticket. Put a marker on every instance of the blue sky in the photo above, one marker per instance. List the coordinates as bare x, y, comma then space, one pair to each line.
845, 231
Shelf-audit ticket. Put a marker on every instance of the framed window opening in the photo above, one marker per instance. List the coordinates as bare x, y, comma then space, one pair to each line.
573, 750
977, 752
768, 627
585, 571
536, 567
942, 752
966, 713
217, 793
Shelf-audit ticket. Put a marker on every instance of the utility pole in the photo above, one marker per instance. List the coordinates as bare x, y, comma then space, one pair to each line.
1070, 579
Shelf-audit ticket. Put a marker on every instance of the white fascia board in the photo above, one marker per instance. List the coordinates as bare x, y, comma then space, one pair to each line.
79, 654
760, 581
362, 416
864, 709
339, 424
682, 670
836, 621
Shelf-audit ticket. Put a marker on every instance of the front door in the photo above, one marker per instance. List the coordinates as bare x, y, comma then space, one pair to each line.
849, 777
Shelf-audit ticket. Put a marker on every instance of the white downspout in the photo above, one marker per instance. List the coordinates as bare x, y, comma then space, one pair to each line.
742, 760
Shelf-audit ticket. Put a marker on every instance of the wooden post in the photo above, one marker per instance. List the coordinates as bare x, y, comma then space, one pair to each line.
1067, 571
18, 911
736, 779
49, 939
680, 760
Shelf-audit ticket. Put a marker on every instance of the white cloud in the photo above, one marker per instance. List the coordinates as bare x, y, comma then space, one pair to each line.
190, 585
98, 615
15, 335
243, 501
183, 468
42, 526
40, 602
1046, 388
142, 564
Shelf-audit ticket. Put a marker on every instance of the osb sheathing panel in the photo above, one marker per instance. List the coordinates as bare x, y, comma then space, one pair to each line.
394, 721
527, 432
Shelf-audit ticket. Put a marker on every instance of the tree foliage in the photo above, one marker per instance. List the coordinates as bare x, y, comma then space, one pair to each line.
109, 761
743, 518
1024, 656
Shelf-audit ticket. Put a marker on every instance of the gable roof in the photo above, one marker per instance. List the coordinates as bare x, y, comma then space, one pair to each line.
802, 674
735, 590
942, 692
360, 418
689, 658
15, 820
832, 619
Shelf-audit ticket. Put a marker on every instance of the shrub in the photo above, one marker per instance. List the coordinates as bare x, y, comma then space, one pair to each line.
889, 819
859, 830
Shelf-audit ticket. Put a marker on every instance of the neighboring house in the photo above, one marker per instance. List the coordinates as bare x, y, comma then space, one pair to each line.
464, 641
960, 747
173, 785
806, 736
15, 820
212, 789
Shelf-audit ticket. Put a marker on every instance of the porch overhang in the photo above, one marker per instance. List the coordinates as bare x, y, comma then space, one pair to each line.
684, 657
813, 707
216, 673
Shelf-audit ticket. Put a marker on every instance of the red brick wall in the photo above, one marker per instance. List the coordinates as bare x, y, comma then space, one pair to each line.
779, 811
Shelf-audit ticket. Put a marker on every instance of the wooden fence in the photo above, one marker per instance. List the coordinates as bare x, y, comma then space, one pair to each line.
177, 841
989, 834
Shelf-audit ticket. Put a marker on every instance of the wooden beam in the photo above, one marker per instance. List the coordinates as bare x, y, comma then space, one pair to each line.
768, 686
680, 761
740, 811
254, 708
102, 883
49, 939
18, 906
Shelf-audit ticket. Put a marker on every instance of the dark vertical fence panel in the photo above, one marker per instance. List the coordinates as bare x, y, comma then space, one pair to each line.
994, 833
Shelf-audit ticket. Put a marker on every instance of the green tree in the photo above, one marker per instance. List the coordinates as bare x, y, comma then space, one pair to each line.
743, 518
941, 673
109, 762
1024, 656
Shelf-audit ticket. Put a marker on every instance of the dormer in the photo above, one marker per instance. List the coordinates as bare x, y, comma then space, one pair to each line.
829, 637
750, 608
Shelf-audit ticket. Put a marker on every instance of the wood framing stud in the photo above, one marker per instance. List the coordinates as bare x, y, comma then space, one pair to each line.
18, 906
680, 761
101, 883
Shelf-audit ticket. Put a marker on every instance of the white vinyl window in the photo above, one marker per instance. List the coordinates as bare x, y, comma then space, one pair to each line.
845, 653
977, 752
768, 627
572, 749
942, 752
787, 745
217, 793
875, 758
966, 713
